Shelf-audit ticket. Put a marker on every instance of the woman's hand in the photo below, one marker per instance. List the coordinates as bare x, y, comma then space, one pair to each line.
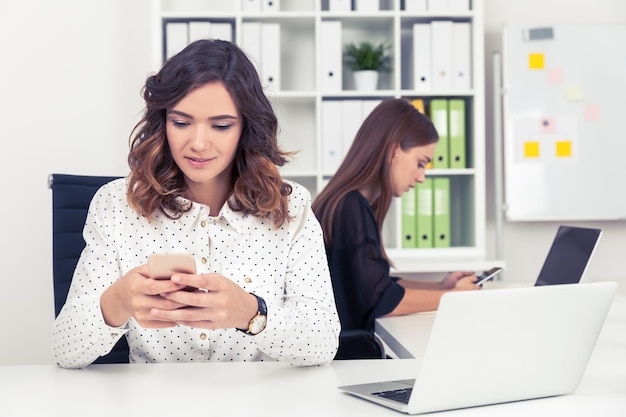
461, 280
135, 295
466, 283
219, 304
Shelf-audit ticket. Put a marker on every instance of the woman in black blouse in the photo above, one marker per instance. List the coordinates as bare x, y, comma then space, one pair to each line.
387, 158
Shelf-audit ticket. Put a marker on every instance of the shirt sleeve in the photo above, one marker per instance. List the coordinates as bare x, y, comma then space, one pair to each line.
80, 334
304, 330
363, 286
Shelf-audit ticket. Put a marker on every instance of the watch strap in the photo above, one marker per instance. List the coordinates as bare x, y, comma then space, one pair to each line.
262, 307
261, 311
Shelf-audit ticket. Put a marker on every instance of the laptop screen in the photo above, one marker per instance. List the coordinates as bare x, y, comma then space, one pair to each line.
569, 255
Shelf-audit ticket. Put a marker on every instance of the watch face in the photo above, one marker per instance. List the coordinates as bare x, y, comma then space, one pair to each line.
258, 324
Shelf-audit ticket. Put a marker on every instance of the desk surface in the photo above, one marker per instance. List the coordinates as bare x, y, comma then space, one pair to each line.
261, 389
274, 389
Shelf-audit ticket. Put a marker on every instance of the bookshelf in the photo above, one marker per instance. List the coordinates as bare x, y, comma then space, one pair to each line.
299, 99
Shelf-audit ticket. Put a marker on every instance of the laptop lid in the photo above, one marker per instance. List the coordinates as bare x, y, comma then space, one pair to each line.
489, 347
569, 255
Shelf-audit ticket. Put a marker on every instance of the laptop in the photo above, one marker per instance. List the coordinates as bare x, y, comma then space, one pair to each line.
569, 255
489, 347
567, 259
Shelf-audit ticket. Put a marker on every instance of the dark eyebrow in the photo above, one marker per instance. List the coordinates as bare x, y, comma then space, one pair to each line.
180, 113
428, 160
188, 116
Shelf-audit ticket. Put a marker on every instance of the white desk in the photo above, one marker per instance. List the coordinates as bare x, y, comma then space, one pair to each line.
406, 336
258, 389
274, 389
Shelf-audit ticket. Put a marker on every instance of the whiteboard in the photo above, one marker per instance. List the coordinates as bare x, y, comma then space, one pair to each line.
564, 118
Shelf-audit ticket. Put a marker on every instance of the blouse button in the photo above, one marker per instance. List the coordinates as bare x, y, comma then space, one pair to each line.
202, 336
247, 280
203, 260
203, 223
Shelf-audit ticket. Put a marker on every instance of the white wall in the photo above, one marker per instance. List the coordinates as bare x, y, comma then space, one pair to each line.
70, 79
525, 244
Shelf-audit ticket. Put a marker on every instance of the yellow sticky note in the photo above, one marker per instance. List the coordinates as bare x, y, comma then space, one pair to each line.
531, 149
563, 148
535, 61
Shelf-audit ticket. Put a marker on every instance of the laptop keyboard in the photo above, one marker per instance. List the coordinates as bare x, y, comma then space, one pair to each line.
400, 395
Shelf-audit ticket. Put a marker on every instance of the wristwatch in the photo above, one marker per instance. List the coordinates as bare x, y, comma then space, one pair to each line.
258, 322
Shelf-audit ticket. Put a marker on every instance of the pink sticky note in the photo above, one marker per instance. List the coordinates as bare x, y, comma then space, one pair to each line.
548, 125
555, 75
591, 112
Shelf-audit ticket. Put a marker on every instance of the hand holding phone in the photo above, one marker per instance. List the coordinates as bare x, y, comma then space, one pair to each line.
487, 275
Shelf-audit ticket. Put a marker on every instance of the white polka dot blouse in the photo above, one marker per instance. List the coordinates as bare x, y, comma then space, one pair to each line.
287, 266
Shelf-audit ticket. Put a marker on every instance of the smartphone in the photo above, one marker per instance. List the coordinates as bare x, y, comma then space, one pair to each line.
164, 265
487, 275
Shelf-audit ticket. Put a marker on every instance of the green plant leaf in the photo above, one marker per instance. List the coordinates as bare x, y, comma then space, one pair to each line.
366, 56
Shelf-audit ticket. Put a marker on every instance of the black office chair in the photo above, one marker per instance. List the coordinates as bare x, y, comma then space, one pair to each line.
71, 195
359, 344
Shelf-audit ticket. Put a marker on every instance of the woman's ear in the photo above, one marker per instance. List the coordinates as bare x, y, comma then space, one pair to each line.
394, 151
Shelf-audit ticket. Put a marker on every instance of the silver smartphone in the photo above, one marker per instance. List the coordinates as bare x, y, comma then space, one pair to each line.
487, 275
164, 265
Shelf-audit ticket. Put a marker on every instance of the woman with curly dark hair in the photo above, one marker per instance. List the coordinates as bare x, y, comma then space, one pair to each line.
204, 180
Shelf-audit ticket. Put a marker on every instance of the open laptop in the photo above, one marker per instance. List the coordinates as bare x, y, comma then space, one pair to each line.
489, 347
569, 255
567, 259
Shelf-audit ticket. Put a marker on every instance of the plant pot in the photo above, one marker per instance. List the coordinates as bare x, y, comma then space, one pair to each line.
366, 80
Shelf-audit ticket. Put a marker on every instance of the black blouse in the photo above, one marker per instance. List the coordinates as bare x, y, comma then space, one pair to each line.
363, 288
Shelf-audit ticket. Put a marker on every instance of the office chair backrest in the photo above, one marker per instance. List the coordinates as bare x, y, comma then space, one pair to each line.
359, 344
71, 196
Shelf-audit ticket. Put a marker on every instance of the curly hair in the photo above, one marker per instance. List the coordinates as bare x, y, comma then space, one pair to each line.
156, 182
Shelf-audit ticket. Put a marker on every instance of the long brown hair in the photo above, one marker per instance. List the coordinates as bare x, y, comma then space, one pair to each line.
156, 182
366, 165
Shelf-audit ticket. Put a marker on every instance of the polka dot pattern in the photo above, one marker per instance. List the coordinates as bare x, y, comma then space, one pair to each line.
287, 266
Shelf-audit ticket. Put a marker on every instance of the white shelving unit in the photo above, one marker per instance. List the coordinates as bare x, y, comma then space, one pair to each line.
299, 100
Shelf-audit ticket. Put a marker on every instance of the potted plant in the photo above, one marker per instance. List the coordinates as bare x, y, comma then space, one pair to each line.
366, 60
